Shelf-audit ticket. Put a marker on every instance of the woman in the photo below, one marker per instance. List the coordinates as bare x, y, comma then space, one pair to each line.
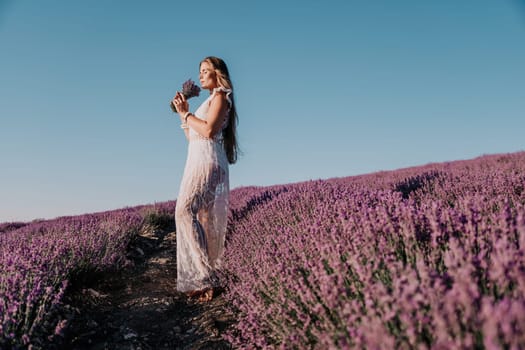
202, 203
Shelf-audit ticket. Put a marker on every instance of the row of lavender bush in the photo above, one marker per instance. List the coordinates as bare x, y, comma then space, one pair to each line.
426, 257
38, 259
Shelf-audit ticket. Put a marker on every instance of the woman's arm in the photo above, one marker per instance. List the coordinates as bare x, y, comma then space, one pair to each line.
216, 114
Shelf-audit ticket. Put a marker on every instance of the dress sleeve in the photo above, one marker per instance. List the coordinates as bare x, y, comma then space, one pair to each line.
228, 93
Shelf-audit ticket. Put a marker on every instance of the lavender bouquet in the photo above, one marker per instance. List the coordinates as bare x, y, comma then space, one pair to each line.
189, 90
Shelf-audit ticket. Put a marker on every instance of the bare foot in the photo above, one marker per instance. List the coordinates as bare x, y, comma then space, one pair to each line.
207, 295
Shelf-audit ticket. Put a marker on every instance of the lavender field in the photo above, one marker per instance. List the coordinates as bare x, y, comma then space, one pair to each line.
429, 257
38, 259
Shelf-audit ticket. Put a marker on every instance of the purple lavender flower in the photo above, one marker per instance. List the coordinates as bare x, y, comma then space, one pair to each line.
189, 90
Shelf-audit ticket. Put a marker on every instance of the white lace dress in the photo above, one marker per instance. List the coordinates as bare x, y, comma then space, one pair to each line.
202, 205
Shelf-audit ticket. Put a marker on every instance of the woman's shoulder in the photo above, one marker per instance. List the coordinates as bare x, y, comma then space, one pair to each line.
223, 92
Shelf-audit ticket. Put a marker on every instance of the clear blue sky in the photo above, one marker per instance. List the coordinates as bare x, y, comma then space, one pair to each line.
323, 89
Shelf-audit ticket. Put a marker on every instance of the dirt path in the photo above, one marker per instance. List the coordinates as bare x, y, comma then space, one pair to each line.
139, 308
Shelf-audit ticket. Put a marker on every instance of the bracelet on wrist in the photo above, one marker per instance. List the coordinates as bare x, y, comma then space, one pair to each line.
186, 115
184, 126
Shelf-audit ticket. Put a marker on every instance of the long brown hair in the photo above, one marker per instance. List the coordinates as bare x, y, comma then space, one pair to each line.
229, 134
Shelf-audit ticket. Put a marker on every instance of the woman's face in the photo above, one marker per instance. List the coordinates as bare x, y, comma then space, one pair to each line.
207, 76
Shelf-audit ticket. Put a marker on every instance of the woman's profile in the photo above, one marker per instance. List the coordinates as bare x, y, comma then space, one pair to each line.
202, 202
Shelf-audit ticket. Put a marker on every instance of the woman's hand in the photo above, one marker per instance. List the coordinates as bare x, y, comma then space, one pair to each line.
181, 104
